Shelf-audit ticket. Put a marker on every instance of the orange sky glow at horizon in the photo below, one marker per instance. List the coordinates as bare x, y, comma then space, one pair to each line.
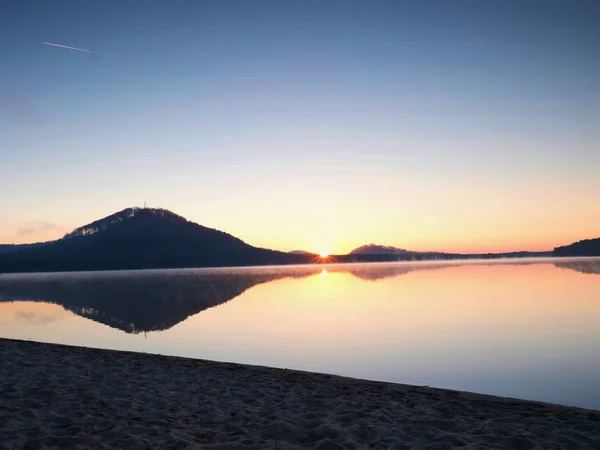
322, 127
336, 238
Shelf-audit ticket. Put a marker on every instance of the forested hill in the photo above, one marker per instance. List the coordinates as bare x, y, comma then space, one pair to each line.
148, 238
587, 247
140, 238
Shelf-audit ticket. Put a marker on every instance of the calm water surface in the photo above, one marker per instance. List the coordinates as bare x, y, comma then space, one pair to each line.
529, 329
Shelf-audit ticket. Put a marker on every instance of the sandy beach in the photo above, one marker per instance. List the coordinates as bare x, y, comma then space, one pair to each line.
56, 396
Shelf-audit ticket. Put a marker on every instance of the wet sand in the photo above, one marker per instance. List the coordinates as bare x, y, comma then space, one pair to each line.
59, 396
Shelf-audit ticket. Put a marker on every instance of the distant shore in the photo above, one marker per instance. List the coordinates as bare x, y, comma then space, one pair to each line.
53, 395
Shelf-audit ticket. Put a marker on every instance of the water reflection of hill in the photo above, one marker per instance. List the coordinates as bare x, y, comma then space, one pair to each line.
135, 302
377, 273
589, 266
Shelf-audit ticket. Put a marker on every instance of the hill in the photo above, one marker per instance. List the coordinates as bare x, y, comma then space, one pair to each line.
587, 247
375, 253
141, 238
147, 238
375, 249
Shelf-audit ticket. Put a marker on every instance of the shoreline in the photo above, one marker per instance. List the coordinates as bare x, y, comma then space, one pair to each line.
475, 259
64, 396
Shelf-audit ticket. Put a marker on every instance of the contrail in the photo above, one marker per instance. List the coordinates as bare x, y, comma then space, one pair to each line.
74, 48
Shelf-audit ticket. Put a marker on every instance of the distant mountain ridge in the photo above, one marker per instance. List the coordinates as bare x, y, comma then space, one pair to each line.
400, 254
154, 238
375, 249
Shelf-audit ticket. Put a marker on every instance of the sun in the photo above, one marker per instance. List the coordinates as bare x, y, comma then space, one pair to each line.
323, 254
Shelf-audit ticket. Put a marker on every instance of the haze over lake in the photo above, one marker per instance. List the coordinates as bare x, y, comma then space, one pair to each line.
526, 329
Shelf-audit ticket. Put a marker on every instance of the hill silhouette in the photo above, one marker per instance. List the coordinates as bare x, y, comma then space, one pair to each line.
375, 249
152, 238
140, 238
587, 247
389, 253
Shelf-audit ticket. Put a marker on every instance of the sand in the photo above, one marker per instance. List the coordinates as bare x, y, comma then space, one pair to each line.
58, 396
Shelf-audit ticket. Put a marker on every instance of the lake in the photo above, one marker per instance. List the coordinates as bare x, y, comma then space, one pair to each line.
527, 329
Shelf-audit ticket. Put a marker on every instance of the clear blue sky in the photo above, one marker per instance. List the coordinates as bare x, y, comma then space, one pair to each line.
321, 125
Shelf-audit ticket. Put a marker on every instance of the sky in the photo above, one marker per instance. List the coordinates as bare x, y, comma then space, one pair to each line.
315, 125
